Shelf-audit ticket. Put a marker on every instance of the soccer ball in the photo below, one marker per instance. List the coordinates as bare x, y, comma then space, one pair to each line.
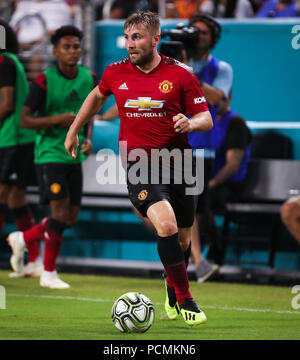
132, 312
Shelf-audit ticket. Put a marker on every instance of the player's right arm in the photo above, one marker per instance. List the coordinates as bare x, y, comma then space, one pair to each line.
91, 106
30, 121
34, 102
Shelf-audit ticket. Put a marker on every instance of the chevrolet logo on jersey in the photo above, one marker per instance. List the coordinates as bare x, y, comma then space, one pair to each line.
144, 103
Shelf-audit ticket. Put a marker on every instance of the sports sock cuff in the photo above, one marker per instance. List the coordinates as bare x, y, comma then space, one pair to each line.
169, 250
56, 226
21, 211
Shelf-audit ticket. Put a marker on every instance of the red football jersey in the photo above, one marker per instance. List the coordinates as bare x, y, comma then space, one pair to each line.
147, 102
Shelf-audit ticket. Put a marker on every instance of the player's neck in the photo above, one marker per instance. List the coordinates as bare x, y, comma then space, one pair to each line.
151, 65
69, 72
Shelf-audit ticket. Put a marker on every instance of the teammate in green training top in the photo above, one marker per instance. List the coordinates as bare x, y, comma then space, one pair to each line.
16, 143
54, 99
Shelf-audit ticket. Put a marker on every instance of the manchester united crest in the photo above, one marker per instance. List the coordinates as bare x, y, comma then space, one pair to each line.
55, 188
142, 195
165, 86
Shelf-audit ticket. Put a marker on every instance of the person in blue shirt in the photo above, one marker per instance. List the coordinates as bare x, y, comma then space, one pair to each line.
229, 171
278, 8
215, 78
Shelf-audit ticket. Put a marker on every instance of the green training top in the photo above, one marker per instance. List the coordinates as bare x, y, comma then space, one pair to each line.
63, 96
11, 133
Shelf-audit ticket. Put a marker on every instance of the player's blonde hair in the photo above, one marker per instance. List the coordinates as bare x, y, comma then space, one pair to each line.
147, 18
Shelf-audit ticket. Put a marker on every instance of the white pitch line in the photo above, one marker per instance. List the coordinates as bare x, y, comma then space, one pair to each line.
99, 300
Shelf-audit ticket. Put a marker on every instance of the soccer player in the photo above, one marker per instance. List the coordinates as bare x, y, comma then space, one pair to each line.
54, 98
154, 95
16, 144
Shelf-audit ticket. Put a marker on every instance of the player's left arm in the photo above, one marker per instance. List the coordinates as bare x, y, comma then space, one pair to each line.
197, 123
193, 102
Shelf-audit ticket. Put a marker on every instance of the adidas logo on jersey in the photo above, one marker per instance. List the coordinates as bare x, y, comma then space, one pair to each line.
123, 86
73, 96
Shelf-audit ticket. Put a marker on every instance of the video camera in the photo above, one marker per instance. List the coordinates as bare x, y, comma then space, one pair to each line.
182, 38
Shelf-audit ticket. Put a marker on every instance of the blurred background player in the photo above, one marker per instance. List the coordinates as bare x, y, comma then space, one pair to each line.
54, 98
215, 78
16, 143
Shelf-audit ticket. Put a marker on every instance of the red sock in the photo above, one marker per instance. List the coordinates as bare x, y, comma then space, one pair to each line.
178, 277
53, 242
24, 223
36, 232
187, 254
31, 237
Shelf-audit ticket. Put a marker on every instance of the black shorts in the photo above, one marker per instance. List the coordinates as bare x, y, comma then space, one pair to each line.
59, 181
143, 195
16, 165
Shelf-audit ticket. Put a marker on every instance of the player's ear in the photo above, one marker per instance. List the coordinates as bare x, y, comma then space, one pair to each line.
156, 39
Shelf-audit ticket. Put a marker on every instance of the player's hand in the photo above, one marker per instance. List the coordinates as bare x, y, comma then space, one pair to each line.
65, 120
71, 144
182, 123
86, 147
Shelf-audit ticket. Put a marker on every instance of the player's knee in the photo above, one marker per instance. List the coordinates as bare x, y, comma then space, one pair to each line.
167, 228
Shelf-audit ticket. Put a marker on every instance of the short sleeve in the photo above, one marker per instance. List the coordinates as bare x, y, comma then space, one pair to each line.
104, 85
194, 100
8, 73
224, 78
238, 134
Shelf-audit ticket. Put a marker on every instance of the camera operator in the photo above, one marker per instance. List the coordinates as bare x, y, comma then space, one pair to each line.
215, 78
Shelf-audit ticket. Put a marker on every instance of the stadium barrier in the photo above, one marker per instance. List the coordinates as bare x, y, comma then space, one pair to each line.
269, 183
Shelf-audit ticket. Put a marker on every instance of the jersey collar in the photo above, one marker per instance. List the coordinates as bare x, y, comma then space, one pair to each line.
157, 67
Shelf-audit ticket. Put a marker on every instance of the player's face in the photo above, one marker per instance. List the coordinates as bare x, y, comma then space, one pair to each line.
140, 44
204, 39
68, 50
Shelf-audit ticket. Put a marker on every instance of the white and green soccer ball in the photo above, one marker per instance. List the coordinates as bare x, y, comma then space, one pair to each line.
133, 312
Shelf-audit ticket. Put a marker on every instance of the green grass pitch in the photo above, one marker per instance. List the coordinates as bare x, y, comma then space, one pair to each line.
83, 312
